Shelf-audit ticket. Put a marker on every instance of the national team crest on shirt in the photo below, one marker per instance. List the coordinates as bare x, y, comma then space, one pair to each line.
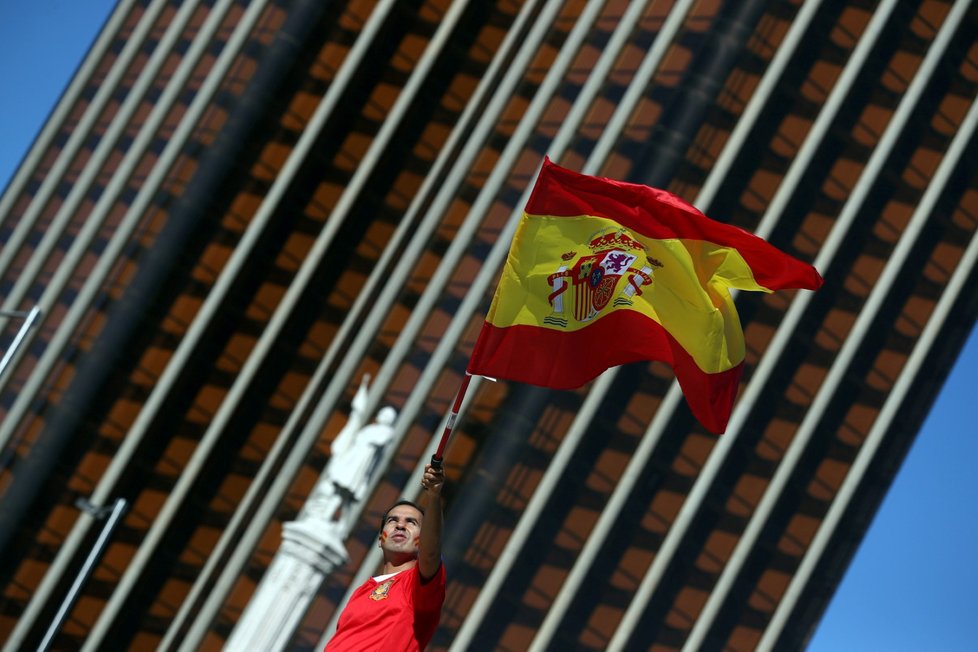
382, 589
594, 277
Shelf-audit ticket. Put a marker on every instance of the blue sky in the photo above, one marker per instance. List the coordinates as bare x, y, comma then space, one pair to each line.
913, 584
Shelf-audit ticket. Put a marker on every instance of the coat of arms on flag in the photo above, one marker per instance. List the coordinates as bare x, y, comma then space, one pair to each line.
594, 278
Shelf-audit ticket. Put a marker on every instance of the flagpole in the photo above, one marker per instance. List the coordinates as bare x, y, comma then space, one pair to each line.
436, 459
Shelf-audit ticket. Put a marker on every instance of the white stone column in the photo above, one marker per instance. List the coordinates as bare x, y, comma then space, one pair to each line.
309, 552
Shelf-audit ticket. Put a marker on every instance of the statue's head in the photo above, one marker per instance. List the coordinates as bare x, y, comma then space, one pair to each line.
386, 415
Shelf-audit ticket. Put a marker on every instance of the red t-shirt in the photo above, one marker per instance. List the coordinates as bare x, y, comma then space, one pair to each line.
399, 613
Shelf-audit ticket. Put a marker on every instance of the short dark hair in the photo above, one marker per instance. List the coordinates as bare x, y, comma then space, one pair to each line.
409, 503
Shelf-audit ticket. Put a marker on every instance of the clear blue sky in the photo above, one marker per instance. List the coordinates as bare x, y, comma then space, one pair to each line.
914, 582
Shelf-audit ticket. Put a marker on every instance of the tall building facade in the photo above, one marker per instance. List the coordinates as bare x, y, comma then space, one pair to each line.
241, 208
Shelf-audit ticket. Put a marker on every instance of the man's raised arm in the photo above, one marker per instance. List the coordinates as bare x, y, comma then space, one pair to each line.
429, 556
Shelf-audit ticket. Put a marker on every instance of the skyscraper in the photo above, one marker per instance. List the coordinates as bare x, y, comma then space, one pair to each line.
240, 209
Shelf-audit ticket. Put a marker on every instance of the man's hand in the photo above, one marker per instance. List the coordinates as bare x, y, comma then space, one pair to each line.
433, 480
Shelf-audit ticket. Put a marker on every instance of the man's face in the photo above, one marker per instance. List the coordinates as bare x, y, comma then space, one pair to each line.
402, 531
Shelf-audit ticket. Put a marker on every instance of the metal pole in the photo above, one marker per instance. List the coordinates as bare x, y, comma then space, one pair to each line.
31, 318
115, 514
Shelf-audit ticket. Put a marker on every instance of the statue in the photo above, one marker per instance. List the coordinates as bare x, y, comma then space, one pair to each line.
355, 458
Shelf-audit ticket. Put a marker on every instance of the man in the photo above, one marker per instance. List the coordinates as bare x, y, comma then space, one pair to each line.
400, 608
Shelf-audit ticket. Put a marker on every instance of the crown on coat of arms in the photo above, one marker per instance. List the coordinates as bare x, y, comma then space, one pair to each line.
618, 239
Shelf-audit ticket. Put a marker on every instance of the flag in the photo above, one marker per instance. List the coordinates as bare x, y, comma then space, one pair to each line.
602, 272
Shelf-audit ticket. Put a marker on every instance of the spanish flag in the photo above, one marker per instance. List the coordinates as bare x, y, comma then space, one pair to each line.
603, 272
